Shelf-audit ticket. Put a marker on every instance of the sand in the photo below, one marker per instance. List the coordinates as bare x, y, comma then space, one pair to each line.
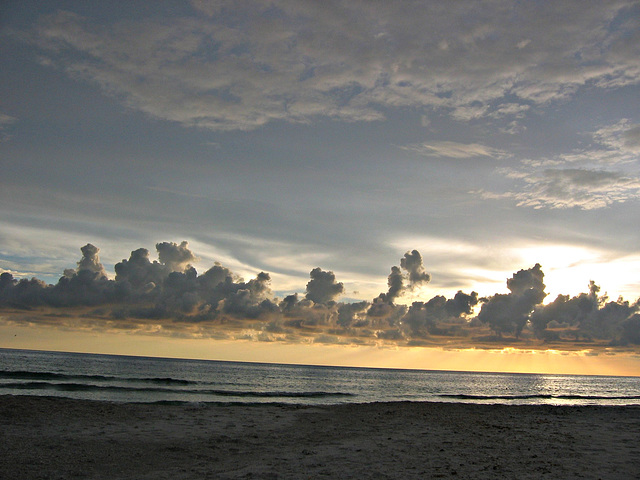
48, 438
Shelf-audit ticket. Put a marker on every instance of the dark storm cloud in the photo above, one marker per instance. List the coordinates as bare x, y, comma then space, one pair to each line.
175, 257
85, 285
323, 288
250, 299
586, 316
139, 272
631, 330
461, 303
90, 260
147, 289
412, 263
427, 318
25, 293
167, 296
398, 282
565, 311
395, 281
352, 314
509, 313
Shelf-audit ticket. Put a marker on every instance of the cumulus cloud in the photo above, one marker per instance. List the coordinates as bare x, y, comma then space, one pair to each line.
509, 313
412, 263
398, 282
91, 261
175, 257
395, 282
323, 288
139, 272
587, 316
169, 297
239, 65
435, 316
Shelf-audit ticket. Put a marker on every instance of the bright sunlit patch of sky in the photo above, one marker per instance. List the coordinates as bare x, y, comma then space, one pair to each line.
568, 270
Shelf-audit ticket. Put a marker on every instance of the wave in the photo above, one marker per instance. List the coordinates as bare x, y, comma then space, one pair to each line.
26, 375
83, 387
538, 396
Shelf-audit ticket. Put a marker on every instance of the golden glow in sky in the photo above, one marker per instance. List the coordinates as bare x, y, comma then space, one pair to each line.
568, 270
508, 359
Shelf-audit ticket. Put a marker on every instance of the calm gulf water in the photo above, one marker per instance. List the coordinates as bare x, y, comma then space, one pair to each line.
143, 379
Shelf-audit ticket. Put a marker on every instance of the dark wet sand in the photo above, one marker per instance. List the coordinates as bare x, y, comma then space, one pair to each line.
47, 438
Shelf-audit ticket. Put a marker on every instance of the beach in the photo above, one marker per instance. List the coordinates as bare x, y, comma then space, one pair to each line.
56, 438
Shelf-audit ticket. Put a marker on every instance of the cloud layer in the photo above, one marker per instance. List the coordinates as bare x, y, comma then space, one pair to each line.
238, 65
168, 297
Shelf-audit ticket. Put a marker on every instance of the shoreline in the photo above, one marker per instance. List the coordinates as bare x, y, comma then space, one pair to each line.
53, 437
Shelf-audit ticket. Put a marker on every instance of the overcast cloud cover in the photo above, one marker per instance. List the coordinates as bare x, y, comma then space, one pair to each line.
300, 136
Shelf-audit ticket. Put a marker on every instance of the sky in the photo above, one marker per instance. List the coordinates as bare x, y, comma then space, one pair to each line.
497, 140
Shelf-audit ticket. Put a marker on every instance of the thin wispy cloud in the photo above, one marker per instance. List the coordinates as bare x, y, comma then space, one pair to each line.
584, 178
569, 188
454, 150
5, 122
586, 189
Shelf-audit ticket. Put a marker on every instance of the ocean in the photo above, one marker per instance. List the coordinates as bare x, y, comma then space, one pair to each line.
163, 380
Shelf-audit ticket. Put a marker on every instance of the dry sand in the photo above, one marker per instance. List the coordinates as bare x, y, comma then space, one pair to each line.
47, 438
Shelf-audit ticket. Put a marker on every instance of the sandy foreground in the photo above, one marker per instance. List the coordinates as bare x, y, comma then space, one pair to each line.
47, 438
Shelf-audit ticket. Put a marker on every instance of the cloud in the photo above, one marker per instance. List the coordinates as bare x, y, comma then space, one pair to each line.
6, 119
617, 143
240, 65
631, 330
454, 150
415, 275
435, 317
584, 189
412, 263
509, 313
175, 257
582, 179
631, 139
323, 288
395, 281
5, 122
515, 110
90, 261
168, 297
587, 316
622, 137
